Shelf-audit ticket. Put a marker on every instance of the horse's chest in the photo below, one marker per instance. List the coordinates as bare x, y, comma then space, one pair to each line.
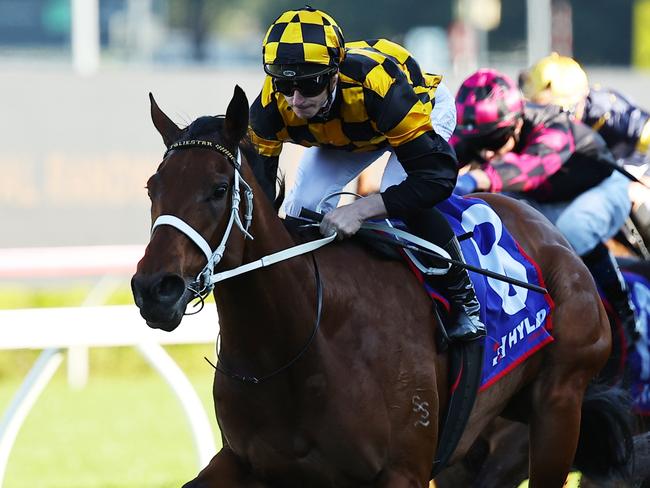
319, 436
305, 463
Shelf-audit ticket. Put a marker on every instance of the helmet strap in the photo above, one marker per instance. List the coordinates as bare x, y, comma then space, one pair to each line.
327, 106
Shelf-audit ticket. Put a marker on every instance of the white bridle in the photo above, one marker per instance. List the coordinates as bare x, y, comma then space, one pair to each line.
213, 257
207, 278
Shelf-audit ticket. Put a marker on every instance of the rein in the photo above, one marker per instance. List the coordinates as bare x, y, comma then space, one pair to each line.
256, 380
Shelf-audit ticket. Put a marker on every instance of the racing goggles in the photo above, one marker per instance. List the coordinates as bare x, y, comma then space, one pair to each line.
493, 141
308, 87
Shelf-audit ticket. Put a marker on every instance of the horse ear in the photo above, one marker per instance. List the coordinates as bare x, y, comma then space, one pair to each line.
237, 115
169, 131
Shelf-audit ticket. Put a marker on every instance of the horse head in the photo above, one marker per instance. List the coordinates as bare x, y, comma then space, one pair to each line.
196, 194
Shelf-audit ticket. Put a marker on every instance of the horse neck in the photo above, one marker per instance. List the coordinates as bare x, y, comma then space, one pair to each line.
270, 310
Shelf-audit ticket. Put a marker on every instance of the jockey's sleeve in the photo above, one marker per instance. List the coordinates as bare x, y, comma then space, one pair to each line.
430, 176
404, 118
265, 169
624, 125
542, 155
263, 134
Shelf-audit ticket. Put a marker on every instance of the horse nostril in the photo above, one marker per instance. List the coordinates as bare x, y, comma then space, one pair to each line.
136, 289
169, 288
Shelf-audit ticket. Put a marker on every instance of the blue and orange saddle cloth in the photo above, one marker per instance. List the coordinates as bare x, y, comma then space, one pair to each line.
518, 320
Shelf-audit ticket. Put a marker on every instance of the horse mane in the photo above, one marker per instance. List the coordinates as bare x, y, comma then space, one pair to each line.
203, 126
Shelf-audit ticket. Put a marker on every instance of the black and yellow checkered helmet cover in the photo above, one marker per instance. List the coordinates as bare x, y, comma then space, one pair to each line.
304, 36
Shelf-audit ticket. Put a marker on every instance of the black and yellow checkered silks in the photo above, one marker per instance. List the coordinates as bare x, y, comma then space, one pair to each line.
383, 99
304, 36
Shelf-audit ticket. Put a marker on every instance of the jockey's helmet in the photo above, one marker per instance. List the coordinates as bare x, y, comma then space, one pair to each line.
488, 105
302, 44
562, 76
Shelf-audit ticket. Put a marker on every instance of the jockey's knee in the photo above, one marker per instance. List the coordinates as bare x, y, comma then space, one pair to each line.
597, 215
443, 116
582, 235
618, 187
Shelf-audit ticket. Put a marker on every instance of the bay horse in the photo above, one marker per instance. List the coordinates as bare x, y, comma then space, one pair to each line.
323, 355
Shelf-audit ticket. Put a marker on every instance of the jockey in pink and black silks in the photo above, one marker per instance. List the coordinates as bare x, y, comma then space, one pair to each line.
537, 150
543, 155
622, 123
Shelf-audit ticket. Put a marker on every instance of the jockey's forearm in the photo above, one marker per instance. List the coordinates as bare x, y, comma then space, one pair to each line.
347, 220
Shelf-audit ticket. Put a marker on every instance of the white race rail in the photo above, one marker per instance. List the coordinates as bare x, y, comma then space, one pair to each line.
55, 330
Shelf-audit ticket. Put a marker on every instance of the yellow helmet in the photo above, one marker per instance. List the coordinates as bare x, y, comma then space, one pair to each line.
562, 75
302, 40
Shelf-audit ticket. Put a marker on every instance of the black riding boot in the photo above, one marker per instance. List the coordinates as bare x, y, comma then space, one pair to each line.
458, 289
456, 286
605, 271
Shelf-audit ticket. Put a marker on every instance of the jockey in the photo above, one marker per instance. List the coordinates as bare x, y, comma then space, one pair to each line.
348, 104
560, 166
625, 127
560, 80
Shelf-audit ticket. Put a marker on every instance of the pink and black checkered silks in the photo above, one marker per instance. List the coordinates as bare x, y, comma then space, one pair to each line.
486, 101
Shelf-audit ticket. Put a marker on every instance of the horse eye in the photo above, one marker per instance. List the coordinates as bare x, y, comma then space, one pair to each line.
219, 191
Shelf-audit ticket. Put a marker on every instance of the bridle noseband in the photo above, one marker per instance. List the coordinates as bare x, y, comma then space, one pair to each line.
204, 282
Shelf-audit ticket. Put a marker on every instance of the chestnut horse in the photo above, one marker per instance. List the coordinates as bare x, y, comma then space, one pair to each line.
323, 355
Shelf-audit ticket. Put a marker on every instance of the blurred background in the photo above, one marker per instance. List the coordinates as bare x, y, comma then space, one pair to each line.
78, 143
77, 146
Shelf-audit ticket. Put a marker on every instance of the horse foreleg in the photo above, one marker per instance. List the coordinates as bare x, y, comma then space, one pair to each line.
225, 469
507, 463
554, 431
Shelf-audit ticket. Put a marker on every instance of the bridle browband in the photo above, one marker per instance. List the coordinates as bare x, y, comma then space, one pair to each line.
236, 162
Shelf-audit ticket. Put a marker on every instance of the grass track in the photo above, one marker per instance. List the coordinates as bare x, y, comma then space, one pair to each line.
124, 430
